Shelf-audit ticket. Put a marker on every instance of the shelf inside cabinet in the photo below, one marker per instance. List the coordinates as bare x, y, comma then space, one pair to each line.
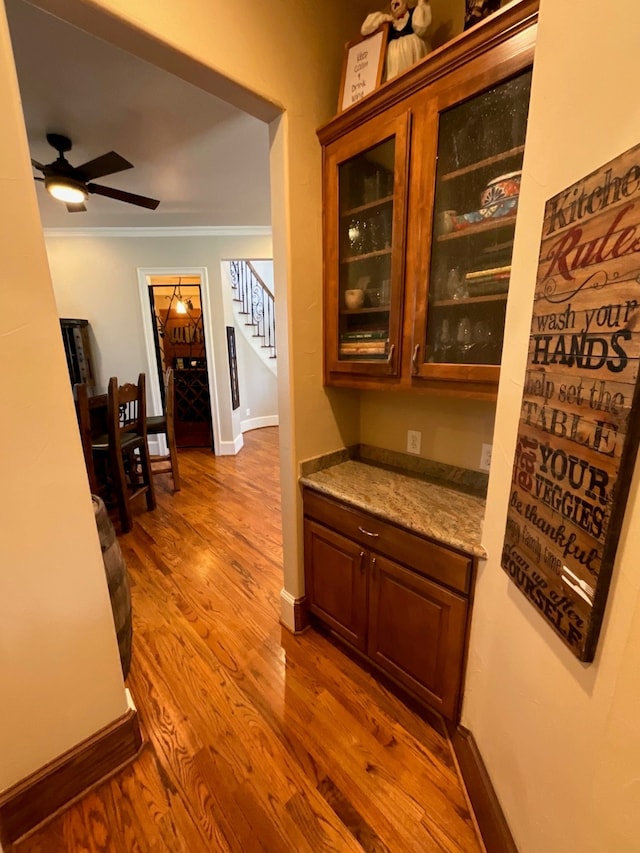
369, 205
482, 164
378, 309
468, 300
479, 228
379, 253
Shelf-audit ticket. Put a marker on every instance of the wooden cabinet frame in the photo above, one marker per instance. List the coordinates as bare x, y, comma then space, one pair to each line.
476, 60
394, 127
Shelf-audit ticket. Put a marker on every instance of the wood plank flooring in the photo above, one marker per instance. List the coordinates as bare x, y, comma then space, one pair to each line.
257, 740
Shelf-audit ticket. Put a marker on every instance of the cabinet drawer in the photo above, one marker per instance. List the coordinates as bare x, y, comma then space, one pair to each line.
418, 553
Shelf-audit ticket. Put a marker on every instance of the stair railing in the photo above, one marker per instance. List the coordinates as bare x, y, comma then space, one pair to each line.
256, 303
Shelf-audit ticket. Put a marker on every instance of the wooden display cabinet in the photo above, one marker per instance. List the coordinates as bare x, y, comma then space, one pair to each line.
367, 248
417, 237
396, 597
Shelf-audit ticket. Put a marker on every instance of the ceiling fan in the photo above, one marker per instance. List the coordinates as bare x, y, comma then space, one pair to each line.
73, 184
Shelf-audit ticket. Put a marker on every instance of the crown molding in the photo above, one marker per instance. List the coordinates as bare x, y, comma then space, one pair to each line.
195, 231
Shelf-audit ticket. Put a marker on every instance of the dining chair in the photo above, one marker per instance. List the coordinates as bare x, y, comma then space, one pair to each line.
129, 458
164, 425
91, 411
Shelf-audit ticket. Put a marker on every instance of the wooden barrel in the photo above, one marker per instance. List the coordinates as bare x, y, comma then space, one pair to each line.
117, 580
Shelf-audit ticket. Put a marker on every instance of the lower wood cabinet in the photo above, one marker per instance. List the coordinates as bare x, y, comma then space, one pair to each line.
401, 599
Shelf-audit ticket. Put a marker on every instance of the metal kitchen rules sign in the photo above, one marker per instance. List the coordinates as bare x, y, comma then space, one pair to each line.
580, 419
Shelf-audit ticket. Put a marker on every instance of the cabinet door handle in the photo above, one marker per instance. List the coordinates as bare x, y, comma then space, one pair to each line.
414, 360
373, 566
361, 561
392, 349
367, 532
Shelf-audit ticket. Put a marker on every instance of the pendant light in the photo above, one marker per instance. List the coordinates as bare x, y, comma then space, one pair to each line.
181, 308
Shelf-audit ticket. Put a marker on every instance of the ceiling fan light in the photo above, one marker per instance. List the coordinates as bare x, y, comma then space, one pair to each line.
65, 191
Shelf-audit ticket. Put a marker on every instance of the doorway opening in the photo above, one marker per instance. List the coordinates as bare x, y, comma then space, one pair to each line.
180, 343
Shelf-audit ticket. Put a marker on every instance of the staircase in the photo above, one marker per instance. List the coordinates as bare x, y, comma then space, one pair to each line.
255, 304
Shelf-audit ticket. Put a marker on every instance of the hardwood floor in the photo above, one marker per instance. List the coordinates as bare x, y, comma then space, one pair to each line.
257, 740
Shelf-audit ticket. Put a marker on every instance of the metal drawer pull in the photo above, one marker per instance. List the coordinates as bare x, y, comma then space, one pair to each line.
362, 530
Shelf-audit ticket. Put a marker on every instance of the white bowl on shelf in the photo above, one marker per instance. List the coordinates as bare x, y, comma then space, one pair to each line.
354, 299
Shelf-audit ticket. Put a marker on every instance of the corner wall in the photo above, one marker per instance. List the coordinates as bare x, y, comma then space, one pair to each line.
561, 739
60, 676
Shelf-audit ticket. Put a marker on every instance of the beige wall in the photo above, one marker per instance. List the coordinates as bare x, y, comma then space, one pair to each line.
561, 738
59, 666
453, 430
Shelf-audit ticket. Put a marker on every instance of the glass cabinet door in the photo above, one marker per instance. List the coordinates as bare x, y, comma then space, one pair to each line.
363, 334
477, 185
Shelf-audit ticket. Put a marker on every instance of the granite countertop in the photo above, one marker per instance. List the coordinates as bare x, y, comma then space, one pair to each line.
445, 514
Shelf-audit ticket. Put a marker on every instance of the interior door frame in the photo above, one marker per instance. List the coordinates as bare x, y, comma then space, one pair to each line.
153, 383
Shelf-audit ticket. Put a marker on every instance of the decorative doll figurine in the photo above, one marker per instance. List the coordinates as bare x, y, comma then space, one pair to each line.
408, 26
476, 10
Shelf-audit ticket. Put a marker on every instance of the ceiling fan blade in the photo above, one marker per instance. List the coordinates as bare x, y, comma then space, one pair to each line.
36, 165
106, 164
121, 195
76, 208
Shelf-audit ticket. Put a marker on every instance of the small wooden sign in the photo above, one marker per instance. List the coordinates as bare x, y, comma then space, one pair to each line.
580, 420
363, 65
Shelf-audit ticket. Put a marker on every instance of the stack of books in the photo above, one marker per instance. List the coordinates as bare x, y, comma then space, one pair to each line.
364, 343
488, 281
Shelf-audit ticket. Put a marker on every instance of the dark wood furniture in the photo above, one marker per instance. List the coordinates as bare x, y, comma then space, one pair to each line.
164, 425
91, 411
396, 597
192, 407
113, 431
129, 458
416, 254
77, 348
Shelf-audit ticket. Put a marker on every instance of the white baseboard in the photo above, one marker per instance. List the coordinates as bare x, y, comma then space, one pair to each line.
258, 423
230, 448
287, 610
130, 703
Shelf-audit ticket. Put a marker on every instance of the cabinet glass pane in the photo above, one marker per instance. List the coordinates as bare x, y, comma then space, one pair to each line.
480, 150
366, 224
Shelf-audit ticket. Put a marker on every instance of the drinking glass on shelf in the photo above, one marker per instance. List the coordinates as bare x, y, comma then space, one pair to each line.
464, 337
354, 234
456, 288
445, 345
377, 232
481, 332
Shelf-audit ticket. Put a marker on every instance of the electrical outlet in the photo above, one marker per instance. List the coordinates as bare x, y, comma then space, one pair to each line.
414, 441
248, 412
485, 457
